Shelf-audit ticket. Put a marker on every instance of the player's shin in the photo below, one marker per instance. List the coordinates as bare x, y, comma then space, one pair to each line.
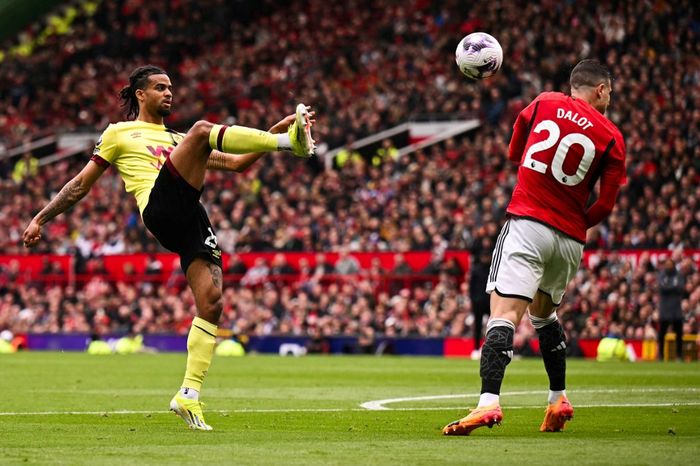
553, 349
241, 140
200, 350
496, 354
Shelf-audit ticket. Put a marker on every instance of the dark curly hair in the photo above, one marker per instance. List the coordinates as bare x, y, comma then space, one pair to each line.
137, 80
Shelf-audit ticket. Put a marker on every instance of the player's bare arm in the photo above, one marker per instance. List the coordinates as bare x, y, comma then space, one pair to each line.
240, 162
73, 191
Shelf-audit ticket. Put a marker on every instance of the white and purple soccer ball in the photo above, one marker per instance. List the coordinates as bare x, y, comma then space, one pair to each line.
479, 55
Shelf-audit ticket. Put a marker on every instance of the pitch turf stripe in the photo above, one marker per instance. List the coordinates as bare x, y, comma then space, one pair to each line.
378, 405
220, 411
341, 410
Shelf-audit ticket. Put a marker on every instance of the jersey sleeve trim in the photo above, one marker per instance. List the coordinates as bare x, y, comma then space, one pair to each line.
100, 161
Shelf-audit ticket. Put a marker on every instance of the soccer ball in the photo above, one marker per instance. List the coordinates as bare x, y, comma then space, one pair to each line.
479, 55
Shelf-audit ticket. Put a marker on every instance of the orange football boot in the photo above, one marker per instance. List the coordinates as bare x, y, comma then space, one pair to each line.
556, 415
479, 417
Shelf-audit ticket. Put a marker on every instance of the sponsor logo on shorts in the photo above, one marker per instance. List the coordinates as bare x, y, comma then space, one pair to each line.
211, 239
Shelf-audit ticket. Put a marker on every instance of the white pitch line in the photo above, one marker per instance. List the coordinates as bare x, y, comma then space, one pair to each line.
378, 405
220, 411
602, 405
337, 410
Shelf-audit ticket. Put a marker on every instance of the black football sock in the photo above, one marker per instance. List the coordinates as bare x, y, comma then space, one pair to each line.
553, 349
496, 354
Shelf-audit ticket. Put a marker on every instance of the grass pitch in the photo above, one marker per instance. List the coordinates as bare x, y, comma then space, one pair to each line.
78, 409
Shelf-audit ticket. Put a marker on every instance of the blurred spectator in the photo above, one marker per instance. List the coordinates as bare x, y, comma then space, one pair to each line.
401, 267
386, 152
671, 293
366, 341
346, 263
317, 344
153, 265
257, 274
280, 266
322, 267
27, 166
437, 255
478, 277
236, 265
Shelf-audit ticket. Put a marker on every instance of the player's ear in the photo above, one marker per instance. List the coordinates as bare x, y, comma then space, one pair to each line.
600, 89
140, 94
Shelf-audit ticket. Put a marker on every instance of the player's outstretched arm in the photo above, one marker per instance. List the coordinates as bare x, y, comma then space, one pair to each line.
240, 162
69, 195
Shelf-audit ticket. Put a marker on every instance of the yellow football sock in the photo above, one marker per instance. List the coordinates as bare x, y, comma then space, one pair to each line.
200, 349
241, 140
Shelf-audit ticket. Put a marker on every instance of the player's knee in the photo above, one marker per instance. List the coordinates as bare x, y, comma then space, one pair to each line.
552, 337
215, 301
200, 130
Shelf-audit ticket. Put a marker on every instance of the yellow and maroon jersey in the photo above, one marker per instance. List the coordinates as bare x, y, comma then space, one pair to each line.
138, 150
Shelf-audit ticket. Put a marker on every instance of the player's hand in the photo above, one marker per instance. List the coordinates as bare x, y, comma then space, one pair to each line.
32, 234
282, 125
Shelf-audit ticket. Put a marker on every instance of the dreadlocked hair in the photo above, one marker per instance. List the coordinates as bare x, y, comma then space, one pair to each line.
137, 80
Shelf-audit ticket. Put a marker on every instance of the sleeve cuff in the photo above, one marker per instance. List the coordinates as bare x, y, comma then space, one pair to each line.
99, 161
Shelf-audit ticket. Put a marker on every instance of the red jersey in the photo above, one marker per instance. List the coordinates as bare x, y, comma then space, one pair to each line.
564, 146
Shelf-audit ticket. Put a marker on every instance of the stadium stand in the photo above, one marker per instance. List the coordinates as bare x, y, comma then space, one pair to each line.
391, 63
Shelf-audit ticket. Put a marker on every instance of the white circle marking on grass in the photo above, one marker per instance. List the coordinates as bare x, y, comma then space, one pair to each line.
378, 405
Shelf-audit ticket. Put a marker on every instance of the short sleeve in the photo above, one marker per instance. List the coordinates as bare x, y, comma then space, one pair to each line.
105, 152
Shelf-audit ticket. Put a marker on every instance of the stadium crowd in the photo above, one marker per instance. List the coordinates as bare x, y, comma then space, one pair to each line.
364, 67
277, 298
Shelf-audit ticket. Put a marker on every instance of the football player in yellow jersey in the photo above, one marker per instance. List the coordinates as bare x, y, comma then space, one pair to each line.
168, 198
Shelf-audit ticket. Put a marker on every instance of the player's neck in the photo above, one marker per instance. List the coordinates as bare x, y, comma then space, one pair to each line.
586, 98
148, 118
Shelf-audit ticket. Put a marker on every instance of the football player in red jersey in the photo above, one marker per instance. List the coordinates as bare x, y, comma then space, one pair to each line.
565, 146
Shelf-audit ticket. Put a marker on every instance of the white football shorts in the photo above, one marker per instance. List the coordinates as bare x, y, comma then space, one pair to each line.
530, 256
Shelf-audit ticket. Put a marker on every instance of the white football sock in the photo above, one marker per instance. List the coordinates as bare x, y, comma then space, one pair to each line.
487, 399
554, 395
283, 142
189, 393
